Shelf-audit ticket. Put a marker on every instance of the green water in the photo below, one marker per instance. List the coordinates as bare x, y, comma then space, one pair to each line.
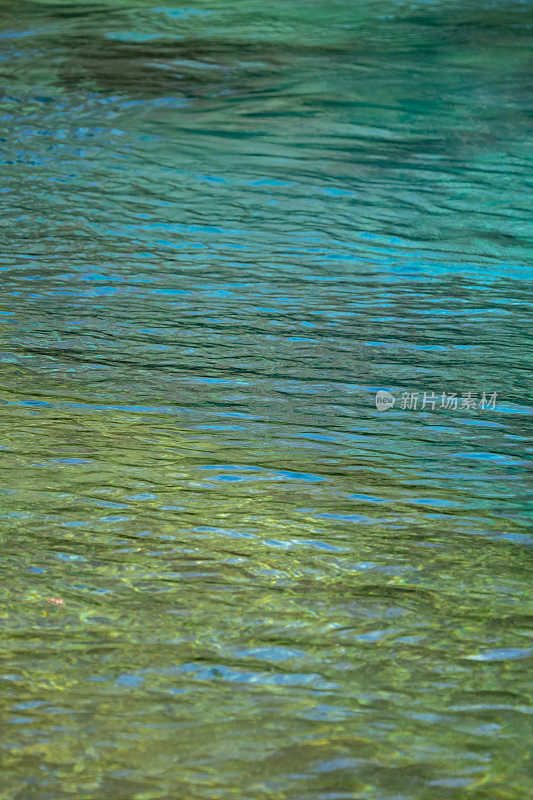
224, 227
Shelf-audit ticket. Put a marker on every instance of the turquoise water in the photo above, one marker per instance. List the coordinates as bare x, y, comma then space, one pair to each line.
225, 572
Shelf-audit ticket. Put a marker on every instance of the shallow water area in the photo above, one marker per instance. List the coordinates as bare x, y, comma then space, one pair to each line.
225, 572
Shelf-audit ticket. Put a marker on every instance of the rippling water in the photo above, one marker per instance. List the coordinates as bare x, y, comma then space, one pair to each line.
225, 572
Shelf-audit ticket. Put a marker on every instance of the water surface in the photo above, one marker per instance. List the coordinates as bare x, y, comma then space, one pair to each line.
225, 227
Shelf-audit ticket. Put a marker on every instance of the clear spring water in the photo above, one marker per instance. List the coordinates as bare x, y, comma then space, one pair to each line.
224, 227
